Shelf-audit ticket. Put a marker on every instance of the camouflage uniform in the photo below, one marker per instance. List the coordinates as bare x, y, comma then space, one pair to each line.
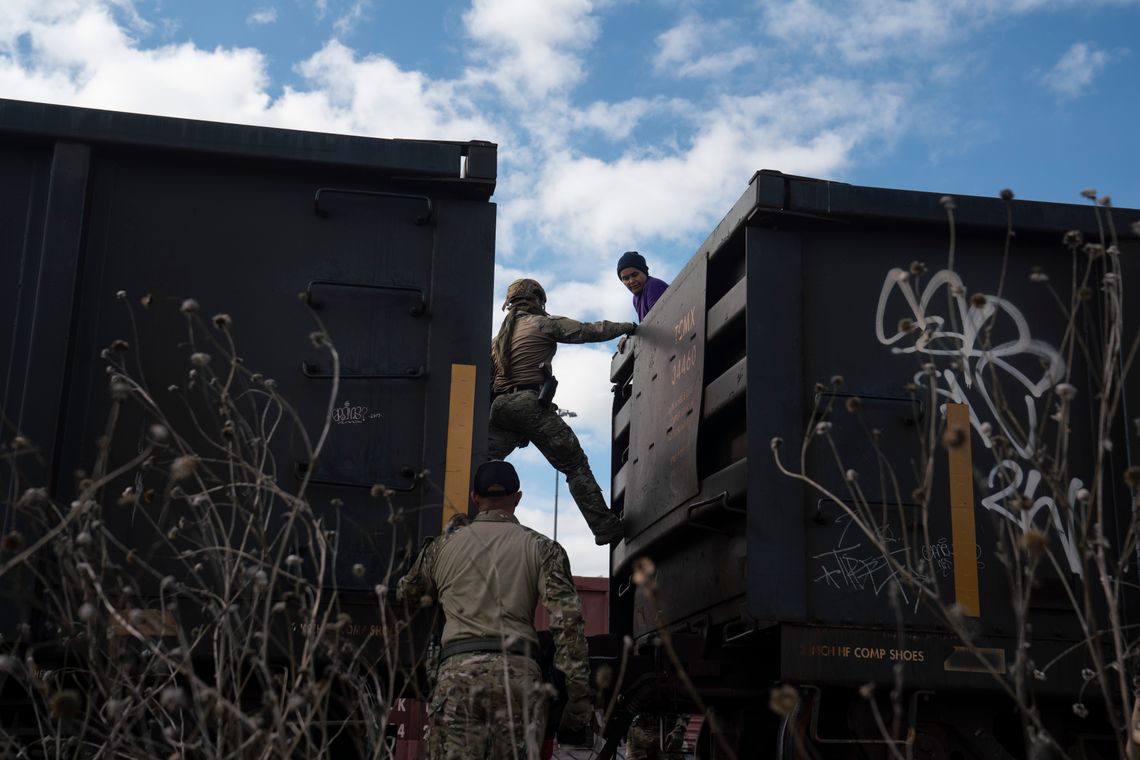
644, 740
525, 344
488, 576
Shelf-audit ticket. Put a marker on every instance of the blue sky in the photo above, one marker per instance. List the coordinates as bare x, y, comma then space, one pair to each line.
629, 123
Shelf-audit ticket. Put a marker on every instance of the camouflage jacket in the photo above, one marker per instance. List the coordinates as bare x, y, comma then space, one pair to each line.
534, 338
488, 577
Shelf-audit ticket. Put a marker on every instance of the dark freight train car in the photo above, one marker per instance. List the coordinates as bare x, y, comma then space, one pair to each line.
108, 223
934, 378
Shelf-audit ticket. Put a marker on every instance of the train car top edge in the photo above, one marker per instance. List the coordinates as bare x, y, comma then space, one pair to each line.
775, 197
474, 161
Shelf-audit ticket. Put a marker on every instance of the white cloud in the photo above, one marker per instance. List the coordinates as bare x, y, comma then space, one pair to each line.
615, 120
262, 17
537, 513
78, 53
683, 50
592, 208
373, 96
346, 22
531, 49
864, 31
1076, 70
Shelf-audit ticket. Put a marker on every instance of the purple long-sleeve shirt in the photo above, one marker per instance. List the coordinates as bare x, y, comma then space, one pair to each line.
643, 301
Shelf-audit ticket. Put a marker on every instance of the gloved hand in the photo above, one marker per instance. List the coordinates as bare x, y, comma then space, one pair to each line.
577, 724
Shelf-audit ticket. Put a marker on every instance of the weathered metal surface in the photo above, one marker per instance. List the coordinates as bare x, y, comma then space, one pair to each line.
809, 290
857, 656
666, 406
224, 214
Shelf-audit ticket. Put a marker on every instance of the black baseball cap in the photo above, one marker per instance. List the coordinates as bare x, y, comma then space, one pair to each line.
495, 478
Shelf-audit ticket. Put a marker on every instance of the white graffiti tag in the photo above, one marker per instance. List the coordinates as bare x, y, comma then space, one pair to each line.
933, 336
964, 340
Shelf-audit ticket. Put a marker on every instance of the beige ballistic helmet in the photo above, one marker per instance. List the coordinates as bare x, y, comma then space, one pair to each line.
525, 290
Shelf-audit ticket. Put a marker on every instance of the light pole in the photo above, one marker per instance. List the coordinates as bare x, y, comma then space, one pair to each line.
560, 413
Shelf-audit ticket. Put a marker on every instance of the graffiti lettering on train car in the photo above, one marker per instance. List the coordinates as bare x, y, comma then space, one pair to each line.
351, 415
939, 557
966, 340
1010, 473
859, 568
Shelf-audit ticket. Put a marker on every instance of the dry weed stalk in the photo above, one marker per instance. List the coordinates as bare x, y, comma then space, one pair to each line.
185, 601
1074, 543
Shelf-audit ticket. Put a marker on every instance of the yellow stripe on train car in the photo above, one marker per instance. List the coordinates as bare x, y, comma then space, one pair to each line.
962, 527
460, 435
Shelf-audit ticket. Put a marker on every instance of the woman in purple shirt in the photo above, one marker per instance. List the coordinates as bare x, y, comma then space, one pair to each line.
634, 274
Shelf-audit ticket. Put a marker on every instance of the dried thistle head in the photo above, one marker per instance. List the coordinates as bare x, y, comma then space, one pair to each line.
643, 571
853, 403
1006, 194
1073, 239
905, 326
34, 497
1089, 192
183, 467
65, 704
189, 306
1093, 250
1065, 391
783, 699
380, 491
917, 267
1035, 543
947, 202
978, 300
954, 437
12, 542
222, 321
603, 677
120, 346
199, 358
1038, 276
776, 443
837, 380
823, 427
1084, 293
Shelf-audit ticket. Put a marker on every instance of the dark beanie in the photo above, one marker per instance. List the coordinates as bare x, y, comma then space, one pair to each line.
632, 259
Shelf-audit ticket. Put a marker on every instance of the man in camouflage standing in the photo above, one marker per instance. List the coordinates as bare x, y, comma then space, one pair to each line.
520, 365
489, 701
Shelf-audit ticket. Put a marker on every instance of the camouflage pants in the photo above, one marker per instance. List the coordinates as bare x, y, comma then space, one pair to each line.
645, 741
478, 712
516, 417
